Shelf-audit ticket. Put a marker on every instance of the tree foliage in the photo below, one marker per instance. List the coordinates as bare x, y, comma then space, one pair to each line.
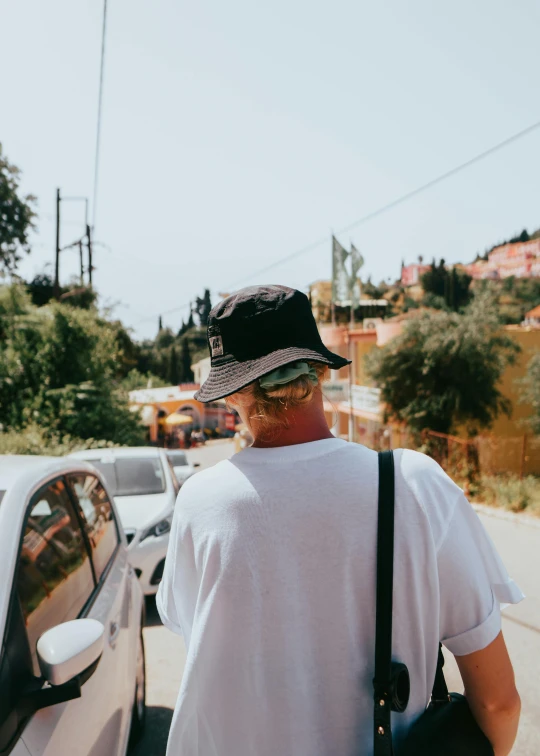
514, 296
446, 288
187, 373
443, 371
61, 368
42, 291
202, 308
16, 216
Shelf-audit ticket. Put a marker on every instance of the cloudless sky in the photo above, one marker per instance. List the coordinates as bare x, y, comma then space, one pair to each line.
235, 133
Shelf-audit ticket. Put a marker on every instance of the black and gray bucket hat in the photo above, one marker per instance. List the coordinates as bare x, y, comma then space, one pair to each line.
256, 330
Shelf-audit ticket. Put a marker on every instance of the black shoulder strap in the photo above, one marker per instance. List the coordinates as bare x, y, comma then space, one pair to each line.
385, 582
385, 670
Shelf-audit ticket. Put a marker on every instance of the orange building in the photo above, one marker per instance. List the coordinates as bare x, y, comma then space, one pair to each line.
156, 404
354, 410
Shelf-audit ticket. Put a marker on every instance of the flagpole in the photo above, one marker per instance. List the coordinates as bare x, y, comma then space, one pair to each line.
350, 356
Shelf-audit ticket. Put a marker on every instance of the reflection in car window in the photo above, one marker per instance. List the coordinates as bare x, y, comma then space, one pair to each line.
55, 578
99, 517
132, 476
177, 459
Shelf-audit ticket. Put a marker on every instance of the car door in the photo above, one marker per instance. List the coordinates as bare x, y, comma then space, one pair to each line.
113, 607
54, 583
95, 724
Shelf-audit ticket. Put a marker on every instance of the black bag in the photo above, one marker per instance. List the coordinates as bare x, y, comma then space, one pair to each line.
447, 727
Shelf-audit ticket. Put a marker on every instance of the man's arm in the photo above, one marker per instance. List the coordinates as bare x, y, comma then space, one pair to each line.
491, 691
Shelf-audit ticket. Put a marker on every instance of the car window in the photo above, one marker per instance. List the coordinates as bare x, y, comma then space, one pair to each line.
99, 518
132, 476
54, 578
177, 459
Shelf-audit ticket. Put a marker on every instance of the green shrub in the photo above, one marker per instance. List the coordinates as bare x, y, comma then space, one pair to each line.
35, 440
511, 492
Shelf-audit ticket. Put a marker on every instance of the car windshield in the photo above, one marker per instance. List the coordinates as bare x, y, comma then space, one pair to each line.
132, 476
177, 459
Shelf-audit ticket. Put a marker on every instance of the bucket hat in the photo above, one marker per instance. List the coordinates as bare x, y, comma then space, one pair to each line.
256, 330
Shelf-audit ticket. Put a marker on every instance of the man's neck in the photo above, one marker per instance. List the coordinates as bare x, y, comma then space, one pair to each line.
305, 423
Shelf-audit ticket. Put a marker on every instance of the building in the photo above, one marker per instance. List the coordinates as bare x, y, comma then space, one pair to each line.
156, 404
201, 370
519, 259
411, 274
320, 295
354, 409
532, 318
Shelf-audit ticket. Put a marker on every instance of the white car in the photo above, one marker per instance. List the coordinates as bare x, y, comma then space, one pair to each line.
72, 675
182, 468
144, 487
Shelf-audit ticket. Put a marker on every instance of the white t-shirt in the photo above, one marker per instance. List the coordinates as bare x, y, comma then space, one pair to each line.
270, 578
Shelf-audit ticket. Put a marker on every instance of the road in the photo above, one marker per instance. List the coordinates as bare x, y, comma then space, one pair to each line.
165, 651
518, 543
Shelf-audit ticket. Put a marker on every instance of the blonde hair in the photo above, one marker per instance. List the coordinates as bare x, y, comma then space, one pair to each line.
269, 406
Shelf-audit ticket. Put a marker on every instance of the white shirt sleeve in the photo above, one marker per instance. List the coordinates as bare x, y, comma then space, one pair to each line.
165, 599
473, 584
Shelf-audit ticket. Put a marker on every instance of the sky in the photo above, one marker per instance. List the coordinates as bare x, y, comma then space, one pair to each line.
235, 134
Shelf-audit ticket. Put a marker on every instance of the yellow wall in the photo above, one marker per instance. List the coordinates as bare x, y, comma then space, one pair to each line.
362, 348
529, 341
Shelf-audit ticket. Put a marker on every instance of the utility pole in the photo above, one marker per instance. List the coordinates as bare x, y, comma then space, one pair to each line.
81, 261
89, 246
57, 253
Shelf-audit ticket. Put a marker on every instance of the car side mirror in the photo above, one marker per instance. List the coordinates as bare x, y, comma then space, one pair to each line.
68, 650
196, 464
68, 656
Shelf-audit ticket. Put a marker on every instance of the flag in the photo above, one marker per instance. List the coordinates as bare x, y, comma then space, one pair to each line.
340, 278
354, 285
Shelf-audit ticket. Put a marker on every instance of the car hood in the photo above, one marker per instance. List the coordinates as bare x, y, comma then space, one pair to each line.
138, 511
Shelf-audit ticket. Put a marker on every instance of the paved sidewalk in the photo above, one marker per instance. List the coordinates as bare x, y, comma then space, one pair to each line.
518, 543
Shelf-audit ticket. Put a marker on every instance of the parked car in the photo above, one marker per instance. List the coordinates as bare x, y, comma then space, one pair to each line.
144, 487
72, 674
180, 465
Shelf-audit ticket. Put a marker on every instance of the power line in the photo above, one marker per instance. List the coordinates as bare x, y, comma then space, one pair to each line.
370, 216
100, 107
396, 202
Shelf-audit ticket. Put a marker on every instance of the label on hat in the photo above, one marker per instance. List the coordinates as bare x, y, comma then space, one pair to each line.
216, 346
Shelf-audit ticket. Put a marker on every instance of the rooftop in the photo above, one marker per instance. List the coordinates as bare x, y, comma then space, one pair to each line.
128, 451
534, 313
13, 467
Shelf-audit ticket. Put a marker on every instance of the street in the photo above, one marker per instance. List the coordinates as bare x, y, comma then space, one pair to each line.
165, 652
518, 543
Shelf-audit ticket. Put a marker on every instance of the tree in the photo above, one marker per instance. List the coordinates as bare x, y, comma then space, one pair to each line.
174, 368
165, 338
136, 380
203, 307
446, 288
41, 289
443, 371
531, 392
185, 360
59, 368
16, 216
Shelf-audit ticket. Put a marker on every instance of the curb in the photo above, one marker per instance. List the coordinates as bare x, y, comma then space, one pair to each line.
502, 514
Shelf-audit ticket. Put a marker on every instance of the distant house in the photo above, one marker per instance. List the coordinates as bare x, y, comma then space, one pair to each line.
411, 274
532, 318
519, 259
